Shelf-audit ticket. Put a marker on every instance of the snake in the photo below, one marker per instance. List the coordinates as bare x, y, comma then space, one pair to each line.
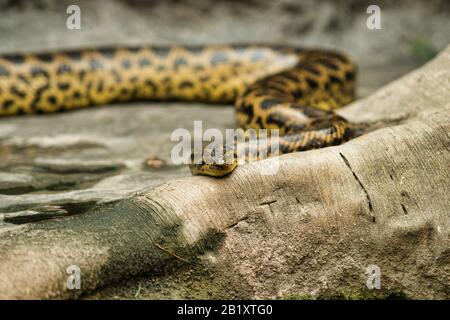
291, 89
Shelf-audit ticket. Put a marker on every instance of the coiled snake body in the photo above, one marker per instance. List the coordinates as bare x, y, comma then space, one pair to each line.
273, 87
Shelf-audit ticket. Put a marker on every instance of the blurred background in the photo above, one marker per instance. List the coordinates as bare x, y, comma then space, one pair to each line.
412, 30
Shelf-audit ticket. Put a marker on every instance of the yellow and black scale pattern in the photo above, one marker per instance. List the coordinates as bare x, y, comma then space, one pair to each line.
288, 88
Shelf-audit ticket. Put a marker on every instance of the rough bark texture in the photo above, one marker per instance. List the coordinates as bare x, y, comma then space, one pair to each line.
310, 230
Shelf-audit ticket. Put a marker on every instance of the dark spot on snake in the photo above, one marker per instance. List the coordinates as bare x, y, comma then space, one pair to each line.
77, 94
327, 63
334, 79
239, 47
161, 51
223, 96
144, 62
336, 141
63, 86
259, 122
74, 54
312, 83
166, 80
17, 92
95, 64
14, 58
258, 93
219, 58
312, 70
179, 62
151, 84
206, 94
45, 57
204, 78
194, 49
20, 112
236, 65
278, 82
4, 71
269, 103
23, 79
331, 130
126, 64
135, 92
246, 109
52, 99
295, 127
311, 112
348, 134
63, 68
276, 119
8, 103
100, 86
107, 52
168, 91
61, 109
38, 71
82, 74
89, 86
116, 76
38, 95
314, 143
134, 49
298, 94
285, 148
186, 84
289, 76
349, 75
275, 87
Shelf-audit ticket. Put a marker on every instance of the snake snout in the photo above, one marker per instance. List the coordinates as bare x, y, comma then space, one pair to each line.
212, 163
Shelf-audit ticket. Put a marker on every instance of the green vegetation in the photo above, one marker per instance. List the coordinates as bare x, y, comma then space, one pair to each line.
422, 50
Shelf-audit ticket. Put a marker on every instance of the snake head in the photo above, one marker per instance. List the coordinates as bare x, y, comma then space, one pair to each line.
213, 162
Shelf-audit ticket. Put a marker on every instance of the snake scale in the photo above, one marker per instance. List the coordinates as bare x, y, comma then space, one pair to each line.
273, 87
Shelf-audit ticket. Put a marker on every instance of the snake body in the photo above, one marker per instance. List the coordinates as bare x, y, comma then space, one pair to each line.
273, 87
